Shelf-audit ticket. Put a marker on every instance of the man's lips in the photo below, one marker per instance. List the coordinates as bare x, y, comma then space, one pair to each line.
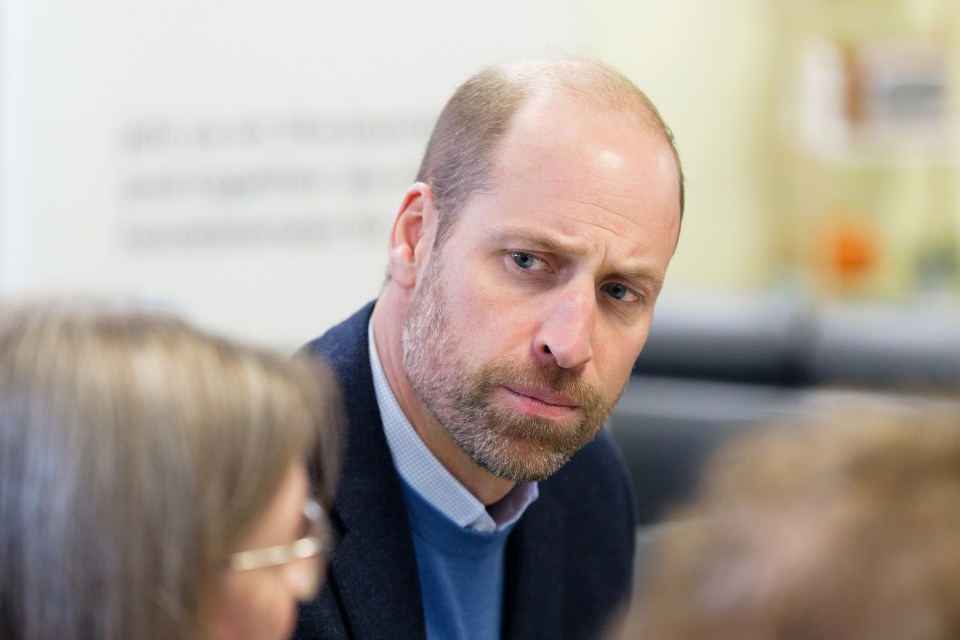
539, 402
545, 396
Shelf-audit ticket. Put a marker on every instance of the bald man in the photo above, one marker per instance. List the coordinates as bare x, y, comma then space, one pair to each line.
480, 497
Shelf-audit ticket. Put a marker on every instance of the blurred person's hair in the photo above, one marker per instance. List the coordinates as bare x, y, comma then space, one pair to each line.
841, 528
460, 155
135, 452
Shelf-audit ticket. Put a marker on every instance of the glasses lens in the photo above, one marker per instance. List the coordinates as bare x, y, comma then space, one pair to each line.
306, 574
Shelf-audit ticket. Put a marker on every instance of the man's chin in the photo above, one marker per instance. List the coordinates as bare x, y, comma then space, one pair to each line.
524, 473
521, 461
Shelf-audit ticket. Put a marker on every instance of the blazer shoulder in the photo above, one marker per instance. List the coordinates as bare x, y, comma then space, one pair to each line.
595, 486
345, 345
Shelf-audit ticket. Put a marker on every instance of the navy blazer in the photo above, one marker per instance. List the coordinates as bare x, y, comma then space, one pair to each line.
568, 561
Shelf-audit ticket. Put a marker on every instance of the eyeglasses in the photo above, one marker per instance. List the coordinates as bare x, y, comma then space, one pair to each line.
315, 543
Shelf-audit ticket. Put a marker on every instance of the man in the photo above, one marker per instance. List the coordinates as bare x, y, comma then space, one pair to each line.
477, 499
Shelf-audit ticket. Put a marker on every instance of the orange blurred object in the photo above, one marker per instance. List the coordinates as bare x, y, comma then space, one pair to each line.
851, 249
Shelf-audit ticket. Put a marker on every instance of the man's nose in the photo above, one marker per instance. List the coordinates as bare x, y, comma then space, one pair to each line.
565, 337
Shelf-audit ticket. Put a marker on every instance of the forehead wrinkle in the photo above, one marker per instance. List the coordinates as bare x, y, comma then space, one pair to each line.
595, 191
629, 229
609, 226
640, 225
545, 242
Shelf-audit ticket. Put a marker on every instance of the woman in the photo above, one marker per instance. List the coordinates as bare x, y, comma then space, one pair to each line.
845, 526
152, 479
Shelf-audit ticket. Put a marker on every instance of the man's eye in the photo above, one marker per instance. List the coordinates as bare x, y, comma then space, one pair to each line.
526, 260
618, 291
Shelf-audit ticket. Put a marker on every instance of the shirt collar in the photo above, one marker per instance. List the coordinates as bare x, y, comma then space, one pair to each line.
426, 475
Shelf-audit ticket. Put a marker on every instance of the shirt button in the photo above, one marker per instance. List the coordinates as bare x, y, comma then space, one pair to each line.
481, 527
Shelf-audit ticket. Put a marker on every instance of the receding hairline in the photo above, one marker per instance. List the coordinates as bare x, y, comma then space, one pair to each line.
465, 145
587, 80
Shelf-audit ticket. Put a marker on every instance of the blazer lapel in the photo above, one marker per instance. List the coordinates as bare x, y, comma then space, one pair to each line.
373, 568
533, 592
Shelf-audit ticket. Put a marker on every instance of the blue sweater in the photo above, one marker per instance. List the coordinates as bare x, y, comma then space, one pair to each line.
461, 574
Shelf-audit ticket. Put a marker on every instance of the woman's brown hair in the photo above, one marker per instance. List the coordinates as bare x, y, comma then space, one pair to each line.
841, 525
135, 451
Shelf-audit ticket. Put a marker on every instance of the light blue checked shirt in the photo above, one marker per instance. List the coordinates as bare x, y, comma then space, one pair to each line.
421, 470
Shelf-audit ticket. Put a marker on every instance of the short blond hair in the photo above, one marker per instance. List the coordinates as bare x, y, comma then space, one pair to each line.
135, 451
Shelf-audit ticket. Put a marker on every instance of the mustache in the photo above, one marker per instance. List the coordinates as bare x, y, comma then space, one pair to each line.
561, 381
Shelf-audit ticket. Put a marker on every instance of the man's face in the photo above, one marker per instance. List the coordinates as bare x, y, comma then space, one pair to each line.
527, 320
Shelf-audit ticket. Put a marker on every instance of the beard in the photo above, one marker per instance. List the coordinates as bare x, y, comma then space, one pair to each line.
508, 444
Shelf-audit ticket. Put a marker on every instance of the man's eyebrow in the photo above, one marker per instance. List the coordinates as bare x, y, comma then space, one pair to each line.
540, 241
536, 240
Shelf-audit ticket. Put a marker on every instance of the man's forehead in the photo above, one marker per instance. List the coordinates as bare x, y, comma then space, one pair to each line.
629, 192
549, 126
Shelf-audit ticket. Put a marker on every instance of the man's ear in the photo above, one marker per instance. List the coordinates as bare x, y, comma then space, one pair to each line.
412, 235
